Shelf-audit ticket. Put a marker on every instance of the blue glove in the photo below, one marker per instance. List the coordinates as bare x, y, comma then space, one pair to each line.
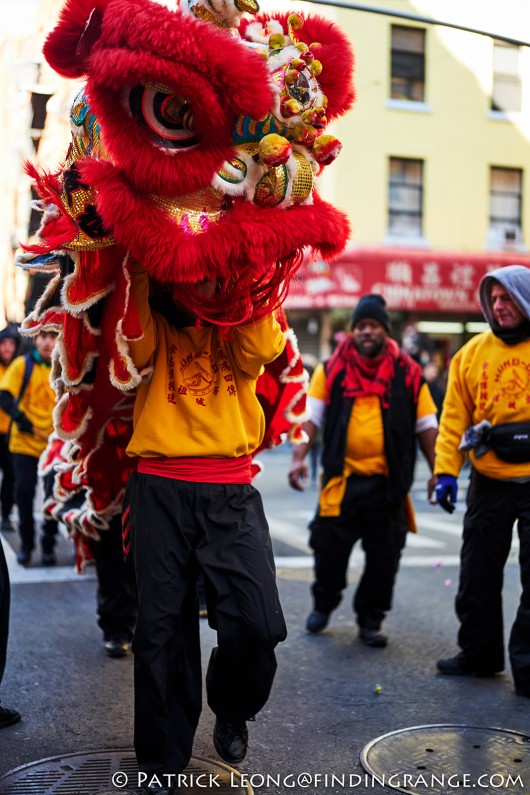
446, 491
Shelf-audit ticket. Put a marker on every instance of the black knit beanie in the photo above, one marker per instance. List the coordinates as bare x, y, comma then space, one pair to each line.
10, 332
371, 306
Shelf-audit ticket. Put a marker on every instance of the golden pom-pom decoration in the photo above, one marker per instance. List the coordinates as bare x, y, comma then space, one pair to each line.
295, 21
289, 107
325, 149
277, 41
274, 150
297, 63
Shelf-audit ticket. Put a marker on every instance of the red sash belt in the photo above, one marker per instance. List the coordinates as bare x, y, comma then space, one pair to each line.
199, 470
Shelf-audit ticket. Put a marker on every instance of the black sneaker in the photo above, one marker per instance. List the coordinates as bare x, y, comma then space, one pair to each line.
117, 647
316, 621
8, 717
23, 557
230, 740
373, 637
459, 666
48, 559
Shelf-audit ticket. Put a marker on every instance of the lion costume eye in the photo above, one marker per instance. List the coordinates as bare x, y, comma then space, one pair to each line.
168, 116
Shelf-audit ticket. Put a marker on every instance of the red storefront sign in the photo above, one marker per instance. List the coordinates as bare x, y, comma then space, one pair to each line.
414, 280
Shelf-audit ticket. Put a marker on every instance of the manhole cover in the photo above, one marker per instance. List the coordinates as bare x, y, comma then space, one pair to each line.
450, 759
113, 773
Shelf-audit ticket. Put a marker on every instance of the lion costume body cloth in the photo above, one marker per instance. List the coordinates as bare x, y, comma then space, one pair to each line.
197, 141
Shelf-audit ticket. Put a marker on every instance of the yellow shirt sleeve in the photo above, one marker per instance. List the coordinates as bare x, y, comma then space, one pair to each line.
426, 404
37, 403
256, 344
317, 385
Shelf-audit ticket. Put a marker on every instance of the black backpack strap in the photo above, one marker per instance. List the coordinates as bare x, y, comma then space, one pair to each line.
29, 361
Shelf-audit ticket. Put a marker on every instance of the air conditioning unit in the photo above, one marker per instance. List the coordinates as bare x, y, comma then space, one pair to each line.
510, 235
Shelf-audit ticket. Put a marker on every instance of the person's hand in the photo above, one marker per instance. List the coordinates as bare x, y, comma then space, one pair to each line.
431, 485
298, 475
23, 424
446, 491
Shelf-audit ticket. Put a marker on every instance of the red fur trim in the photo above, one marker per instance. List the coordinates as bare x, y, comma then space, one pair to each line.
143, 41
71, 415
166, 173
58, 229
147, 35
248, 244
336, 56
79, 349
93, 277
61, 45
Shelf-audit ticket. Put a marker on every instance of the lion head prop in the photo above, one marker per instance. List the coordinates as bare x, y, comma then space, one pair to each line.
197, 143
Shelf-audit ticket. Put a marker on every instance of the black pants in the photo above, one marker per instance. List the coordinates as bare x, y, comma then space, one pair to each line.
116, 593
25, 471
4, 610
367, 516
493, 506
176, 528
7, 499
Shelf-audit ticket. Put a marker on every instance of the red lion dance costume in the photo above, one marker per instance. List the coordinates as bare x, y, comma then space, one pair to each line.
196, 145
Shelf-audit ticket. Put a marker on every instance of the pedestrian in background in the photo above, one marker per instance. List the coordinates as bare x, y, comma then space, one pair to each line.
315, 451
486, 413
7, 716
9, 343
27, 396
372, 401
116, 591
431, 373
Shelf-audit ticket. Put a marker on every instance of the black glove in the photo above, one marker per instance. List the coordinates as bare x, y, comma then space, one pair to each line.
23, 424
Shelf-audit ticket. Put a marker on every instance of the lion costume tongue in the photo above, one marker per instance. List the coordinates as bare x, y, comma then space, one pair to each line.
197, 142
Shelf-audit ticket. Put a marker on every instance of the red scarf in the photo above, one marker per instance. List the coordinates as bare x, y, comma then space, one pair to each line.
370, 376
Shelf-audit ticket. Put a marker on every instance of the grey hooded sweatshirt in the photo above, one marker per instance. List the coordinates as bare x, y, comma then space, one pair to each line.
516, 280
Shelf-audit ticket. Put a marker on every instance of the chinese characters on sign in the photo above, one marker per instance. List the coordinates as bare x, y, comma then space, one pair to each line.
408, 279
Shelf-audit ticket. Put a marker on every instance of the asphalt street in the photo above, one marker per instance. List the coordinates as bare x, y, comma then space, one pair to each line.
332, 695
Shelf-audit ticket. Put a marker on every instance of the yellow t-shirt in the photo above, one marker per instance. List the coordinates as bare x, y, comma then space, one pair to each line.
5, 419
365, 443
200, 398
38, 402
488, 380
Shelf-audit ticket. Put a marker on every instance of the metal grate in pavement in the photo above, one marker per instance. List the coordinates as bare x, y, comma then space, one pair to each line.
450, 759
113, 772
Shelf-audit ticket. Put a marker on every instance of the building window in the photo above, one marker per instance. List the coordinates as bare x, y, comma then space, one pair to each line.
505, 205
38, 105
405, 198
408, 63
506, 95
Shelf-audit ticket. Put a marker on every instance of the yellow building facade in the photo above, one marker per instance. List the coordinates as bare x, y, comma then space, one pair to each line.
435, 168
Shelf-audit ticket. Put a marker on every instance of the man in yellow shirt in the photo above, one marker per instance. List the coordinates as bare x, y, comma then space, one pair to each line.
9, 340
191, 507
30, 401
486, 412
372, 401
